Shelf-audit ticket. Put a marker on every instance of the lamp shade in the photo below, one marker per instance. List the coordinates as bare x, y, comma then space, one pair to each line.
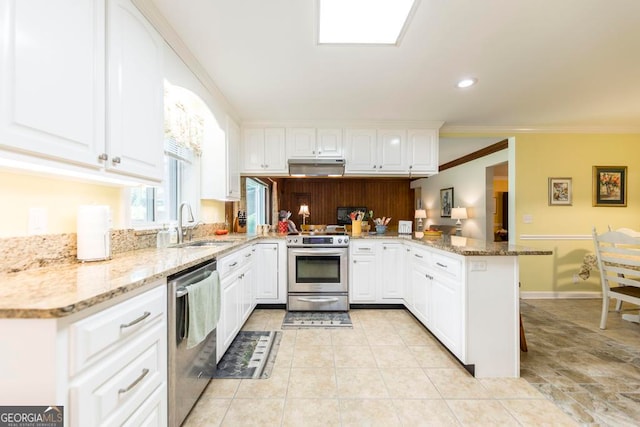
304, 210
421, 213
459, 213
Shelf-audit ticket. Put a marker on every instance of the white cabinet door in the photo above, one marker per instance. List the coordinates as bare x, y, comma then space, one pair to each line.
264, 150
275, 153
423, 151
231, 294
301, 142
52, 60
266, 268
361, 150
253, 150
233, 160
447, 316
329, 143
391, 276
392, 151
248, 278
421, 282
363, 278
135, 93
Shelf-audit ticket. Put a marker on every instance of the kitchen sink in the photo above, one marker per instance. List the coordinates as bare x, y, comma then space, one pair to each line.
202, 243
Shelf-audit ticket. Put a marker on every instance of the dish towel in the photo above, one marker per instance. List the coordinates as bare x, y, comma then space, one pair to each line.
204, 308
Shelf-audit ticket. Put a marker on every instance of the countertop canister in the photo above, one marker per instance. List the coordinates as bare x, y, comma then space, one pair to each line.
94, 232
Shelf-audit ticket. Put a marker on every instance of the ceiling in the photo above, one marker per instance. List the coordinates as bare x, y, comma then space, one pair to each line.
544, 64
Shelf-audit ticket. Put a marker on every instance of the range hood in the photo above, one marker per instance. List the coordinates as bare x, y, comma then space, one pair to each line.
316, 167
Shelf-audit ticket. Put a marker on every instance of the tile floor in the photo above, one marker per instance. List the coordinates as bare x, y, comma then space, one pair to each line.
388, 370
591, 374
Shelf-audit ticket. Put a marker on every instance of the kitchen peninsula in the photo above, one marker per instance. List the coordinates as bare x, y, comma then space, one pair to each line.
464, 291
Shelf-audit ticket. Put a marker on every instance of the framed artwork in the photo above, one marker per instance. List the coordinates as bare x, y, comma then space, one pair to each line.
609, 186
560, 192
446, 202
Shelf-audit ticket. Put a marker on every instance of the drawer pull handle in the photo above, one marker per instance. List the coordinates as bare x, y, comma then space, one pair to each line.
441, 265
233, 264
418, 256
136, 321
144, 373
365, 249
248, 255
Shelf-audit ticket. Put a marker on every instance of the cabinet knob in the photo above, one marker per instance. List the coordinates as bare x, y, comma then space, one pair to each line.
262, 166
116, 160
354, 261
374, 166
266, 166
313, 151
103, 157
275, 249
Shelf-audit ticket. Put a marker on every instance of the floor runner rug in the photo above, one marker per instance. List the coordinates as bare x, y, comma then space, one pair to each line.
250, 355
316, 319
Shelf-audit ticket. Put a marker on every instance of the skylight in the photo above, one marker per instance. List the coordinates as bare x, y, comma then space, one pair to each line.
362, 21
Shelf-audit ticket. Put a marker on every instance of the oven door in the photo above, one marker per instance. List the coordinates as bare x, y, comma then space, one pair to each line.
318, 269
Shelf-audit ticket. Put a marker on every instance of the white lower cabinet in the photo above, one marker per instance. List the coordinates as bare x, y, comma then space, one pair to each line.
266, 269
375, 273
362, 272
126, 367
237, 283
470, 303
419, 288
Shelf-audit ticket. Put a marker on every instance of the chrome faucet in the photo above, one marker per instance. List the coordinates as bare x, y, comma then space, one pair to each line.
189, 219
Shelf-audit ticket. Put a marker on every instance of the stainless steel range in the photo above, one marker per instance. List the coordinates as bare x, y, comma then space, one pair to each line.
318, 279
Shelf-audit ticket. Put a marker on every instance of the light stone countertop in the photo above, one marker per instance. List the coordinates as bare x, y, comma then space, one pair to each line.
60, 290
460, 245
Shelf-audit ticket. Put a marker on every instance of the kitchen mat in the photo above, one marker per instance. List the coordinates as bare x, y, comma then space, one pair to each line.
316, 319
250, 355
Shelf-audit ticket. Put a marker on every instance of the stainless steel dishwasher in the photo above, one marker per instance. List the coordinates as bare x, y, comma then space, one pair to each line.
190, 369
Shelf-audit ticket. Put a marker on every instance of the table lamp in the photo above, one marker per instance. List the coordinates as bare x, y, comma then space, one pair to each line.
420, 215
304, 211
459, 213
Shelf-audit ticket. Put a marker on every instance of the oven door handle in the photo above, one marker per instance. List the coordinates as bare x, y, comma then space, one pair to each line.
317, 299
318, 251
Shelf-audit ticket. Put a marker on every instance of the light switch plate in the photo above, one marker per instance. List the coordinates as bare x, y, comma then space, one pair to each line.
38, 221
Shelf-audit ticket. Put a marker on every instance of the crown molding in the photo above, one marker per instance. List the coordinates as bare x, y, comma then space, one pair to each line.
393, 124
538, 129
168, 33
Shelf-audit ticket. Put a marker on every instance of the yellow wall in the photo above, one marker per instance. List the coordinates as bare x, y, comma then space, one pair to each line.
540, 156
20, 191
59, 197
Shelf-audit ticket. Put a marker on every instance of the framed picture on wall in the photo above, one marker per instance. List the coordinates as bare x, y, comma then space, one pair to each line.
446, 202
609, 186
560, 192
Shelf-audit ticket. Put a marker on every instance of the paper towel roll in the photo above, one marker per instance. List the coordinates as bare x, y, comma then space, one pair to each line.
94, 233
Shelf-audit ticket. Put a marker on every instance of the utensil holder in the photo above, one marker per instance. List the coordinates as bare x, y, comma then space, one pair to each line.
283, 227
356, 228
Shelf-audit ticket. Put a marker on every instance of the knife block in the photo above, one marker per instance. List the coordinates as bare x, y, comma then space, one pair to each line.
237, 228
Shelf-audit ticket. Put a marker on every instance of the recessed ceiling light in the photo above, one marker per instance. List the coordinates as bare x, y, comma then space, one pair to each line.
466, 83
362, 21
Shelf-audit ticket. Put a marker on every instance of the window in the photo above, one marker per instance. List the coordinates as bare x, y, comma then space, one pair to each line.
256, 204
183, 136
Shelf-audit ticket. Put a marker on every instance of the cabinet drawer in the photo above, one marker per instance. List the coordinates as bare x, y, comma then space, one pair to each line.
447, 265
93, 337
152, 413
362, 248
109, 393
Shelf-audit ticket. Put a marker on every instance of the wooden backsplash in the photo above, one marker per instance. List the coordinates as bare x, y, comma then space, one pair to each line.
390, 197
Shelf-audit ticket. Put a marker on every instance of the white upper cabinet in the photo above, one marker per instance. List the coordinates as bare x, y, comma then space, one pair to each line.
135, 88
392, 151
361, 152
314, 143
301, 142
79, 92
220, 162
264, 151
376, 151
52, 60
423, 151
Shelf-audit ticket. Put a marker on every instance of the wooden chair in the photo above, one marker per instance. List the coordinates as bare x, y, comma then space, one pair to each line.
618, 257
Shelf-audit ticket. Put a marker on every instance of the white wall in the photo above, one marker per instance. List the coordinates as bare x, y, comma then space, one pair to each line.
469, 182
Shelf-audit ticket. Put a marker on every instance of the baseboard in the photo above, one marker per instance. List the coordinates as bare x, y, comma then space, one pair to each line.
560, 295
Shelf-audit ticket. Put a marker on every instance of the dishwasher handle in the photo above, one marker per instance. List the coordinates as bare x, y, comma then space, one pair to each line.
181, 291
